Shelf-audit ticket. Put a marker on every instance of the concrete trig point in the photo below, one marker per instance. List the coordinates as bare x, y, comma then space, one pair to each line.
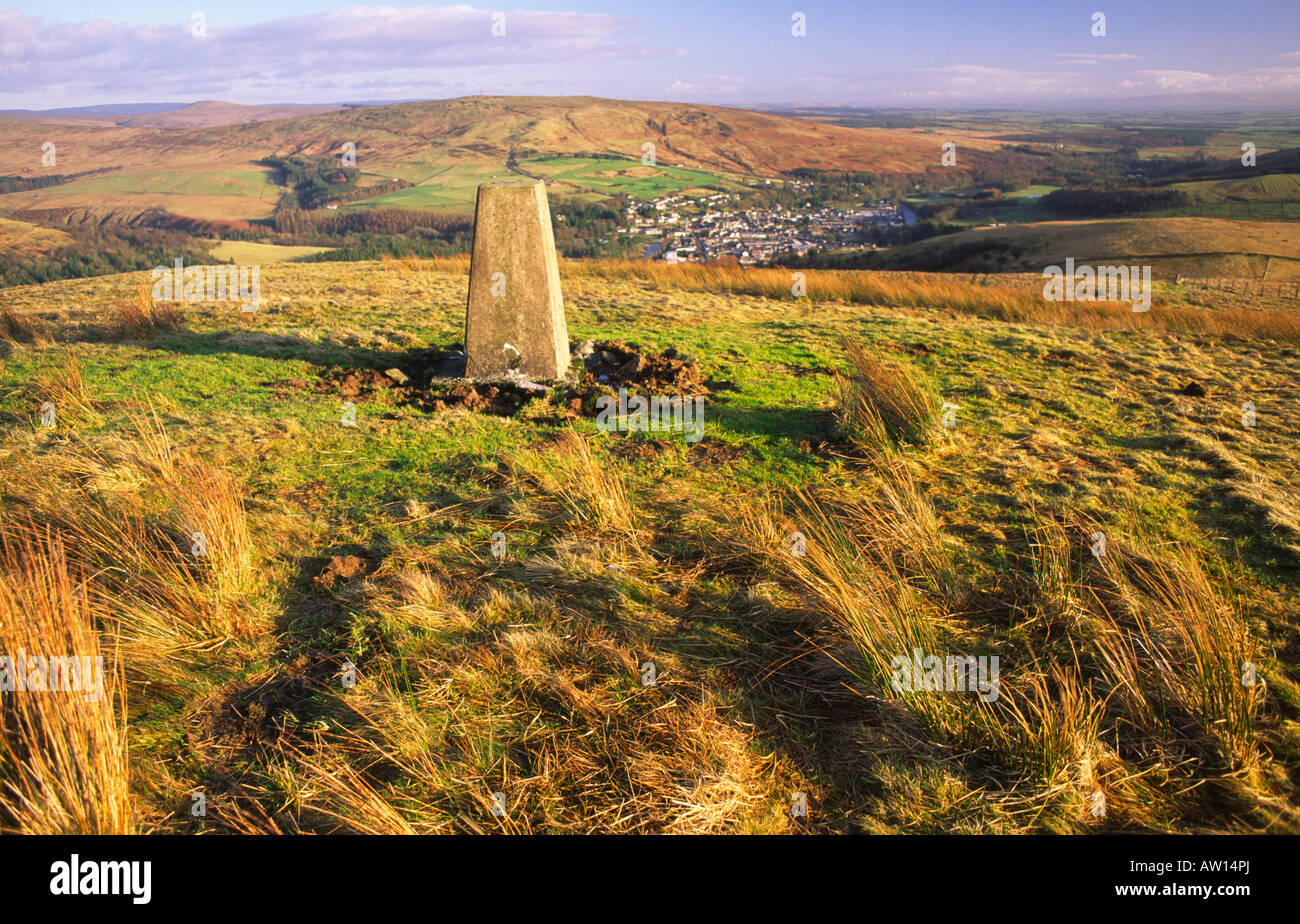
514, 323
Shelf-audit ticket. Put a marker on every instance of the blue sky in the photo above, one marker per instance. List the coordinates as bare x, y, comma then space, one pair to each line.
914, 53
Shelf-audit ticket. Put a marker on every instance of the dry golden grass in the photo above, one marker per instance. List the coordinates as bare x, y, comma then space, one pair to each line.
1181, 651
60, 382
327, 774
881, 403
142, 316
1011, 299
127, 516
866, 564
155, 447
209, 508
590, 491
16, 327
908, 290
1168, 650
1154, 652
95, 539
849, 566
682, 769
63, 759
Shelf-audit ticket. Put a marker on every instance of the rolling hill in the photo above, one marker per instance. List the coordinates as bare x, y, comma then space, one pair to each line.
28, 241
451, 145
1171, 246
1273, 187
206, 113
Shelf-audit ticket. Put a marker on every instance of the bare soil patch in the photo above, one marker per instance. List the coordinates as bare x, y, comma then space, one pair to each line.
432, 381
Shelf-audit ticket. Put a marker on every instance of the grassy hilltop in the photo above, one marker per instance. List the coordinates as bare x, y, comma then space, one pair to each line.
371, 546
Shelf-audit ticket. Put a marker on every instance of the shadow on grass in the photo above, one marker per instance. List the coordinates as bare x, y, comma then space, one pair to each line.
288, 346
799, 424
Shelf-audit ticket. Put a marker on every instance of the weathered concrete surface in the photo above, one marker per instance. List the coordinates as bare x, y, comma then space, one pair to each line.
515, 317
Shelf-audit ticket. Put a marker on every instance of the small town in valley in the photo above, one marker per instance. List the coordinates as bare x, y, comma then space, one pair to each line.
681, 228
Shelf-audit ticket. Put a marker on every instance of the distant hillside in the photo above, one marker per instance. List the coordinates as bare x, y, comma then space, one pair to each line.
203, 114
1273, 187
451, 145
704, 136
19, 239
214, 113
1270, 162
1171, 246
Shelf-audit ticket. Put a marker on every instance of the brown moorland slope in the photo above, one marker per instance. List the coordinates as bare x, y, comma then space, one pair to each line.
1267, 250
418, 140
206, 113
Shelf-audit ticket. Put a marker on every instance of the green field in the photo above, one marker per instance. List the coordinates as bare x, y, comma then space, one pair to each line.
627, 177
1275, 187
1026, 191
223, 194
441, 187
1025, 209
452, 187
1275, 197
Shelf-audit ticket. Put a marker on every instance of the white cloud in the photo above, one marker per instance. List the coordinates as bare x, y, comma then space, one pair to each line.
1266, 79
1178, 80
959, 83
708, 86
292, 57
1083, 58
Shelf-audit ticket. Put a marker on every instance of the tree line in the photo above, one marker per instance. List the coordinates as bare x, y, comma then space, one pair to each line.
1113, 200
313, 181
100, 251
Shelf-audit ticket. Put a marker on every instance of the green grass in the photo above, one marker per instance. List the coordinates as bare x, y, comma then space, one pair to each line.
1024, 191
1025, 209
442, 187
624, 176
501, 673
1275, 187
452, 187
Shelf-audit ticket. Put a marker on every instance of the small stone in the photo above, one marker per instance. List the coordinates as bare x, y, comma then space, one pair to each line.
585, 349
630, 368
397, 375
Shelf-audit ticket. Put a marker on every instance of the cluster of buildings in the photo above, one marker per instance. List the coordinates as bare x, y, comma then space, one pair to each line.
683, 228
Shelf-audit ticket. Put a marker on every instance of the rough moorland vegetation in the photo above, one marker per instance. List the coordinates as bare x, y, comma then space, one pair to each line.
463, 618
